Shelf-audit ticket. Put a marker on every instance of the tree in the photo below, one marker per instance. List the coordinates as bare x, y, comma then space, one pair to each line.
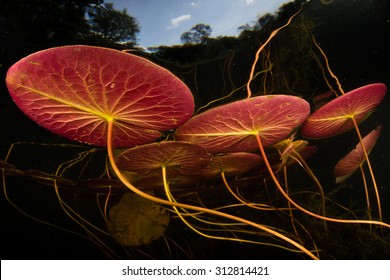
43, 23
200, 33
113, 25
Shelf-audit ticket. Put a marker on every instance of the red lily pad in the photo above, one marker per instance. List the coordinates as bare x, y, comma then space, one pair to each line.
232, 127
143, 164
154, 180
233, 164
336, 116
351, 162
181, 157
74, 91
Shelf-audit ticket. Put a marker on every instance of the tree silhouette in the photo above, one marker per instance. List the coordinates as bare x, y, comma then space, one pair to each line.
40, 24
200, 33
44, 22
113, 25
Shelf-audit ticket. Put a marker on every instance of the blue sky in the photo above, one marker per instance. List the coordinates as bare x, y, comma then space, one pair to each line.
163, 21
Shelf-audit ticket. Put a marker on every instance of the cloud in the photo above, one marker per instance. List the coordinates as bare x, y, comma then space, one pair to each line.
178, 20
194, 4
249, 2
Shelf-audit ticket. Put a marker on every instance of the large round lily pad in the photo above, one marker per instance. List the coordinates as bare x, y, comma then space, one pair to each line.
232, 127
74, 91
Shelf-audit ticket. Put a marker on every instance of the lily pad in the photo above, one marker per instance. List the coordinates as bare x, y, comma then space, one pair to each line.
233, 164
336, 116
232, 127
143, 164
136, 221
355, 158
180, 157
74, 91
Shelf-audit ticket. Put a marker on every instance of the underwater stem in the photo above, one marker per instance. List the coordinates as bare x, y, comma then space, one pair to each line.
123, 179
273, 34
366, 192
280, 188
378, 200
327, 65
303, 163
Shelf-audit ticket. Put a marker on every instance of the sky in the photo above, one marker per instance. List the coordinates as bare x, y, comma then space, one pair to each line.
163, 21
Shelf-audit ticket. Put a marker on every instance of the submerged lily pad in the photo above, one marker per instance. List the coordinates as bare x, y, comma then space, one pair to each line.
136, 221
232, 127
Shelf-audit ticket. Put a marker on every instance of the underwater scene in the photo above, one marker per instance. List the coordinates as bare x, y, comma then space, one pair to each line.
271, 144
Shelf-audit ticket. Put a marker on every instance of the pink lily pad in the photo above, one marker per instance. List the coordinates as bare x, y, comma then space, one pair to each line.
180, 157
74, 91
233, 164
232, 127
336, 116
351, 162
143, 164
154, 180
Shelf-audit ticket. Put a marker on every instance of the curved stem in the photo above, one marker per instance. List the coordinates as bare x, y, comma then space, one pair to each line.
187, 206
327, 65
303, 163
198, 231
273, 34
300, 207
367, 194
378, 200
289, 206
263, 207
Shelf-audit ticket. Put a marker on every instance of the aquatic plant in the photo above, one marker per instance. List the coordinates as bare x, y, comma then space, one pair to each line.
354, 159
136, 221
114, 99
346, 112
340, 114
76, 91
86, 98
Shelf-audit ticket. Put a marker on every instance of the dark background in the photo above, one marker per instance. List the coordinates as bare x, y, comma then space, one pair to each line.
353, 34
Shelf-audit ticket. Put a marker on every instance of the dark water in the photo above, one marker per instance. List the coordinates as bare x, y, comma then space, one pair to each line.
351, 33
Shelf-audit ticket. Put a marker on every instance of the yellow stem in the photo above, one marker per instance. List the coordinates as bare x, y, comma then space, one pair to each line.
303, 163
275, 180
378, 200
327, 65
367, 194
123, 179
289, 206
273, 34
